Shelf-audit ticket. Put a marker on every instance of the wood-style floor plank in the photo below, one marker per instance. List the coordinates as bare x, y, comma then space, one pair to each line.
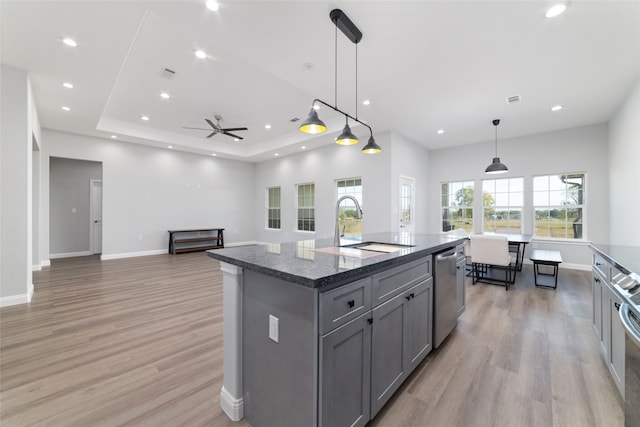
138, 342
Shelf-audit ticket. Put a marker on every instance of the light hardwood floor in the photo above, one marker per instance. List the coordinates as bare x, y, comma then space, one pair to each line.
138, 342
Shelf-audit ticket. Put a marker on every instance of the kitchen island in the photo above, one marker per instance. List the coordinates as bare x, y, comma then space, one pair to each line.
317, 335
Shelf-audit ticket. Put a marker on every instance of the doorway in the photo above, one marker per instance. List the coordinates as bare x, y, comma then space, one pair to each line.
407, 204
95, 216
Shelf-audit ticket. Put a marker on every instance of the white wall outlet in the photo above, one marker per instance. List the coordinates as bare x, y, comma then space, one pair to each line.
273, 328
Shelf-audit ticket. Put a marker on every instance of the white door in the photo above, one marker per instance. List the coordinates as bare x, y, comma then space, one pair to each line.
407, 204
96, 216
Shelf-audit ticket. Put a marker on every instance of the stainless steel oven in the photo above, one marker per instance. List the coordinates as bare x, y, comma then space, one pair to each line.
631, 321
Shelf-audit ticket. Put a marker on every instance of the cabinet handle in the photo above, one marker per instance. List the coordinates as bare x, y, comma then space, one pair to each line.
597, 280
408, 297
598, 264
370, 321
617, 305
412, 295
351, 303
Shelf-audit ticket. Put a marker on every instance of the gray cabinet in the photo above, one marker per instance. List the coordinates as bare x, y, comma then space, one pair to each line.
606, 320
461, 265
345, 374
419, 327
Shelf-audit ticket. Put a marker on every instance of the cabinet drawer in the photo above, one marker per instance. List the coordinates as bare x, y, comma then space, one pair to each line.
602, 266
340, 305
392, 282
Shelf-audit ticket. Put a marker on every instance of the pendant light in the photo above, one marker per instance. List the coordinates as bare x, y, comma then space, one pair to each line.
496, 167
312, 124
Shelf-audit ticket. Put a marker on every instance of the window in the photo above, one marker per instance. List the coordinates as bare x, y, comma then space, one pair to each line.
272, 200
457, 206
306, 210
502, 201
350, 225
558, 203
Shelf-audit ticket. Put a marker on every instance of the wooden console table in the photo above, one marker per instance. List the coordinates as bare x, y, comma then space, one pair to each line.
195, 240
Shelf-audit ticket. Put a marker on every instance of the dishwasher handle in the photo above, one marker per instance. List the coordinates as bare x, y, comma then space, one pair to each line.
447, 254
629, 325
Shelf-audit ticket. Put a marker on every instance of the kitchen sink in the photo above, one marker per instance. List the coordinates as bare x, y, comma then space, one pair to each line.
378, 246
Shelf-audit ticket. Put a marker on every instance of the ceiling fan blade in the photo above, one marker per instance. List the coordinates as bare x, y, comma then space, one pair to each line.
232, 129
211, 134
232, 135
214, 126
184, 127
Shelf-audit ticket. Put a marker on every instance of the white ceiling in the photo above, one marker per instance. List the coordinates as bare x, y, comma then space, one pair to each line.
425, 65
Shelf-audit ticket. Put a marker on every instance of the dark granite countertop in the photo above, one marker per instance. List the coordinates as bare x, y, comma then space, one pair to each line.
625, 258
300, 263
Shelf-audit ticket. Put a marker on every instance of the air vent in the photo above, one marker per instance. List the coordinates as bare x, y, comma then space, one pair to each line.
295, 119
168, 73
515, 98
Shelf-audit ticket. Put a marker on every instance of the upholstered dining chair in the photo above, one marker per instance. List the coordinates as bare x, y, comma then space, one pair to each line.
490, 252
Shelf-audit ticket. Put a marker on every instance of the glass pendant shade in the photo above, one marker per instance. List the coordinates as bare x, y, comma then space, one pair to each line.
313, 124
371, 147
346, 137
496, 167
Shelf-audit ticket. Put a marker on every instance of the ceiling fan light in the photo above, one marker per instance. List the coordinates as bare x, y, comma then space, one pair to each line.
496, 167
371, 147
313, 124
346, 137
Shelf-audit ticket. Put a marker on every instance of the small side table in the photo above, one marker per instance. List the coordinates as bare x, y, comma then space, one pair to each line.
545, 257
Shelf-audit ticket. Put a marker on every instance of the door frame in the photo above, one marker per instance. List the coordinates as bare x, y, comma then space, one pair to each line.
92, 182
412, 181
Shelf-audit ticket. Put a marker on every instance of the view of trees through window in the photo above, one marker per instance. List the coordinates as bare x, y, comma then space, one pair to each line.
558, 202
457, 206
306, 207
350, 225
273, 207
502, 201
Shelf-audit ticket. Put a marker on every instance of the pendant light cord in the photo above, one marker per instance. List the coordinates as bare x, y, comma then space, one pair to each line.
356, 80
496, 126
335, 78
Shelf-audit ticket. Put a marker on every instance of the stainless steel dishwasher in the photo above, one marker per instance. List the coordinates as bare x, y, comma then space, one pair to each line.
445, 316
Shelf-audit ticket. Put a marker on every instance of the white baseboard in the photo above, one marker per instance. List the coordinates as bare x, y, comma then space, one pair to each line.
45, 263
105, 257
17, 299
69, 254
230, 405
38, 267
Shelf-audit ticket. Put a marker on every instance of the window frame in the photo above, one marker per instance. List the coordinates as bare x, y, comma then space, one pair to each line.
450, 207
269, 209
357, 194
582, 207
312, 218
508, 207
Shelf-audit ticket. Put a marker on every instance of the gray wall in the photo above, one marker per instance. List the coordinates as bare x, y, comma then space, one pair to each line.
147, 191
624, 171
69, 188
582, 149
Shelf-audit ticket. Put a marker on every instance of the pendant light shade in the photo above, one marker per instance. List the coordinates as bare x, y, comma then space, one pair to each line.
496, 166
346, 137
371, 147
313, 124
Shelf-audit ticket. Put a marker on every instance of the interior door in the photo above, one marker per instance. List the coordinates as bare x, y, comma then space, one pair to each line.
407, 204
96, 216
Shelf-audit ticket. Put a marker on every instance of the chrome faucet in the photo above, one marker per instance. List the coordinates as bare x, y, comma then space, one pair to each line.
336, 236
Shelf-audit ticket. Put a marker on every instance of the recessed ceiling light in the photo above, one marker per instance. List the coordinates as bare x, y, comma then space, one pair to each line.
556, 10
170, 146
556, 108
440, 131
267, 126
145, 118
236, 139
366, 102
65, 108
213, 154
213, 5
165, 95
70, 42
276, 154
303, 147
200, 54
67, 85
114, 137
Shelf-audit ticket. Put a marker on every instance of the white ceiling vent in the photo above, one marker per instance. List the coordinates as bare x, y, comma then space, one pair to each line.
168, 73
295, 119
514, 99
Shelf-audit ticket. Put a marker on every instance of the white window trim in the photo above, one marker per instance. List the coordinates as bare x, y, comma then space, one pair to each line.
308, 232
266, 203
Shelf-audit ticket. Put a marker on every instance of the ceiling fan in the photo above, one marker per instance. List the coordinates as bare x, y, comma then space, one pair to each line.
217, 129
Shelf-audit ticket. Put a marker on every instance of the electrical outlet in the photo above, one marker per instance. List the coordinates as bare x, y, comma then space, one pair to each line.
273, 328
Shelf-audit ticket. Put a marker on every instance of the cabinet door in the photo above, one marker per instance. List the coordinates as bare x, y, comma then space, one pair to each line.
617, 350
418, 328
460, 288
387, 351
345, 369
